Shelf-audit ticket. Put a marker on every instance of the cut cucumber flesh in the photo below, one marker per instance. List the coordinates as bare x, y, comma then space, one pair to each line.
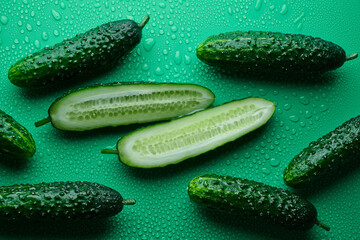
123, 104
172, 142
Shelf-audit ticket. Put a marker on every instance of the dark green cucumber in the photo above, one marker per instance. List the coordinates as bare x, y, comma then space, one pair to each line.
258, 52
118, 104
15, 140
254, 200
83, 55
180, 139
60, 201
325, 155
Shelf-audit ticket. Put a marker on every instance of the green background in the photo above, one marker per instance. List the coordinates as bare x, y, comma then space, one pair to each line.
306, 110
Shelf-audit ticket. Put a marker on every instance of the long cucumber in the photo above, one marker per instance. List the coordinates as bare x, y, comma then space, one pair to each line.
118, 104
172, 142
84, 55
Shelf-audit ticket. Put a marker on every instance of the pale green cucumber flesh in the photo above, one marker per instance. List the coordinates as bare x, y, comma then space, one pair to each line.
124, 104
172, 142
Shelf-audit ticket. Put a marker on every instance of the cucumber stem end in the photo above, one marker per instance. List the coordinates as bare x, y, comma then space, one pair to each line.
322, 225
42, 122
352, 56
144, 22
109, 151
128, 201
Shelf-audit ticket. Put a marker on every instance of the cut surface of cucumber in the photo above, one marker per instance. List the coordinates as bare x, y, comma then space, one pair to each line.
172, 142
123, 104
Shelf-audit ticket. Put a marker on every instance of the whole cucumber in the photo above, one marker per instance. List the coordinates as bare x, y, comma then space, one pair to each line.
258, 52
85, 54
15, 140
60, 201
254, 200
325, 155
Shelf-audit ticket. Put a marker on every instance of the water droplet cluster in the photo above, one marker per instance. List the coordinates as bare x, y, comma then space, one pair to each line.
305, 111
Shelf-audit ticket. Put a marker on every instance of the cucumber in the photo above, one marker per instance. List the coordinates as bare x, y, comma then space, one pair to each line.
117, 104
172, 142
84, 55
258, 52
60, 201
326, 155
15, 140
254, 200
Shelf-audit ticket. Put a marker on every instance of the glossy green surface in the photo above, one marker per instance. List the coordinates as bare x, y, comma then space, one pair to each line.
306, 110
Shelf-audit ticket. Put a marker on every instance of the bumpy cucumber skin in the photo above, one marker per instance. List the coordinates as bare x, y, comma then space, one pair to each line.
325, 155
58, 201
139, 83
85, 54
15, 140
257, 52
254, 200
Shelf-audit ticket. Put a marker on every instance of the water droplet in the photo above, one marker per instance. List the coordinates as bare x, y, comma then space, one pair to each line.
145, 67
247, 155
263, 91
159, 71
56, 15
304, 100
56, 33
149, 44
258, 5
284, 10
20, 23
187, 60
274, 162
177, 58
162, 5
25, 2
323, 108
287, 106
4, 20
29, 27
294, 118
62, 5
174, 29
44, 36
37, 44
308, 114
266, 171
299, 18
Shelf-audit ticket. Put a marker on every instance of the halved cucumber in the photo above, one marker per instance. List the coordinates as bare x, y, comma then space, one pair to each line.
118, 104
172, 142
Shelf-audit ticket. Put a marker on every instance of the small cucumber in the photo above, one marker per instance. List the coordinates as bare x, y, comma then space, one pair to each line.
60, 201
254, 200
172, 142
15, 140
84, 55
326, 155
117, 104
257, 52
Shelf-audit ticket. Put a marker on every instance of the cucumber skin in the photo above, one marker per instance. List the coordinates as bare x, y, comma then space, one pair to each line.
325, 155
58, 201
15, 140
110, 85
253, 200
270, 52
85, 54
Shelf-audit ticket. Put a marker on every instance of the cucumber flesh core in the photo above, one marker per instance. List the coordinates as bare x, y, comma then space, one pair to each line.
127, 104
170, 143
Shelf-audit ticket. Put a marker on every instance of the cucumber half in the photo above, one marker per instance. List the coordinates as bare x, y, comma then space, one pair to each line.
118, 104
172, 142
